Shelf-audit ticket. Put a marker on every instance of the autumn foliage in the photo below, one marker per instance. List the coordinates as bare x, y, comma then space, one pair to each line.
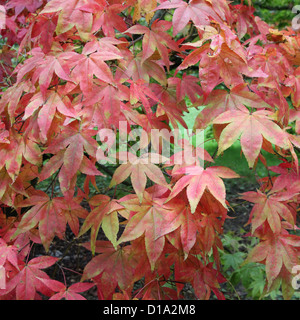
86, 65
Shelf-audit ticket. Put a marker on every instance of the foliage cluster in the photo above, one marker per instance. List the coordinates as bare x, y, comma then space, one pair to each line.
70, 68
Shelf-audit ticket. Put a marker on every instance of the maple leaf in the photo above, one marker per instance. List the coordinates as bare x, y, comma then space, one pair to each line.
198, 228
68, 150
8, 253
45, 70
11, 98
200, 12
139, 91
180, 216
20, 5
196, 179
70, 15
66, 293
139, 168
134, 67
51, 217
276, 252
28, 281
288, 176
47, 109
169, 105
42, 67
41, 32
13, 152
110, 261
220, 101
106, 16
252, 127
104, 214
269, 207
205, 280
73, 212
149, 218
72, 292
47, 214
106, 112
105, 47
155, 39
84, 66
187, 86
226, 61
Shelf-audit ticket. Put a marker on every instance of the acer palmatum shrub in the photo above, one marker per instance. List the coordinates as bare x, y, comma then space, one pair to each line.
76, 77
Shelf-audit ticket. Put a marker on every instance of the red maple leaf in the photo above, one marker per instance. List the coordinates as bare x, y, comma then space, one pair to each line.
29, 280
196, 179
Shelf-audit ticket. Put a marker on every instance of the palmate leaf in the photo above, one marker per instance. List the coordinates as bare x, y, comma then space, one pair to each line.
252, 127
105, 214
70, 15
66, 293
8, 253
139, 168
271, 208
220, 101
156, 39
51, 216
68, 157
48, 106
150, 218
29, 280
110, 261
279, 253
200, 12
196, 179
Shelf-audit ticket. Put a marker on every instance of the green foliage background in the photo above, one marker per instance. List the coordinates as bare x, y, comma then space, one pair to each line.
276, 12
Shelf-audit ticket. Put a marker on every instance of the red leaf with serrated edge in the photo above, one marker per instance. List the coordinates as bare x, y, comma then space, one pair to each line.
47, 109
107, 16
28, 282
139, 168
180, 216
276, 252
110, 261
252, 127
105, 214
8, 253
200, 12
68, 150
44, 69
51, 216
196, 180
66, 293
47, 214
70, 15
220, 101
134, 67
71, 70
147, 218
271, 208
20, 5
155, 39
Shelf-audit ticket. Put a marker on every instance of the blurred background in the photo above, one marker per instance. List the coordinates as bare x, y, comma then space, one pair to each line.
276, 12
